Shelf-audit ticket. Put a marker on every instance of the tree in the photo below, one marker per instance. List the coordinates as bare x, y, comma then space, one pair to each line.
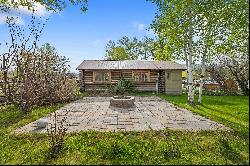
131, 46
223, 29
50, 5
208, 24
146, 48
204, 29
159, 51
116, 53
34, 76
175, 25
130, 49
238, 67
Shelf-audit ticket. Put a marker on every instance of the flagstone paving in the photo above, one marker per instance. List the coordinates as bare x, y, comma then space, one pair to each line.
149, 113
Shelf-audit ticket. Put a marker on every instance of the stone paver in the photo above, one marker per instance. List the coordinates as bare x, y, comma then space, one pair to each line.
95, 113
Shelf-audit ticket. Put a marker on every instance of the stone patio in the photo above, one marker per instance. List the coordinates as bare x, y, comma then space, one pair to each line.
95, 113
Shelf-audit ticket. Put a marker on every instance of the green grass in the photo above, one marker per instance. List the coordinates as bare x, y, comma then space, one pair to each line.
12, 118
232, 111
151, 147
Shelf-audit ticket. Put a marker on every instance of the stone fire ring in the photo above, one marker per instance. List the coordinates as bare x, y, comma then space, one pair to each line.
122, 102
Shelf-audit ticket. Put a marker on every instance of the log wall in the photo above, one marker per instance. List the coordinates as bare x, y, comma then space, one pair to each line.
86, 78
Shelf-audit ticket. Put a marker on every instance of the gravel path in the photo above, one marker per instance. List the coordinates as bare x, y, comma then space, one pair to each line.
94, 113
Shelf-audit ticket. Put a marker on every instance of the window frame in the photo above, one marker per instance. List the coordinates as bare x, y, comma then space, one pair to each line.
102, 71
141, 71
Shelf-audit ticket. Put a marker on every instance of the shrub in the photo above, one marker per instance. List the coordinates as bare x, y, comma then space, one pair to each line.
219, 92
123, 86
57, 132
31, 76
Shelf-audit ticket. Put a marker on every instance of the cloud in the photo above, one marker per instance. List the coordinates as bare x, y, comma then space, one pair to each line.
16, 19
101, 42
19, 21
139, 26
18, 12
150, 32
2, 19
39, 10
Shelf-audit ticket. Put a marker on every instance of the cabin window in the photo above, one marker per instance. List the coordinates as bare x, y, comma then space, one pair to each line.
141, 76
101, 76
168, 76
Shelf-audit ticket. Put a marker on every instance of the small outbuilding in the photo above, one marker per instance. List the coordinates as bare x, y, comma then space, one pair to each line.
157, 76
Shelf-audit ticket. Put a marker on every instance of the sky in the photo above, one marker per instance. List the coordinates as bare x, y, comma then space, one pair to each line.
81, 36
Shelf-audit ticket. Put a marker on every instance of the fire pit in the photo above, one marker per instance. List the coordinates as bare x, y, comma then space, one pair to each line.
42, 123
122, 101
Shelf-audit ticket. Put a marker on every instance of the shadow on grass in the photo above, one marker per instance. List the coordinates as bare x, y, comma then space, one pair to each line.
241, 131
216, 102
10, 115
230, 154
219, 111
51, 156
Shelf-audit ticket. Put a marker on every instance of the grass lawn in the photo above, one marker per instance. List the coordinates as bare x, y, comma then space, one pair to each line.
232, 111
151, 147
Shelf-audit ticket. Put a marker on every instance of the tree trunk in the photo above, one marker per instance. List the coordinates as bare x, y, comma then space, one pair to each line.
190, 63
5, 78
190, 78
203, 69
186, 60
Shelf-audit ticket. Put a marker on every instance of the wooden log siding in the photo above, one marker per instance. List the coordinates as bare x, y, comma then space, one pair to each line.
88, 76
115, 76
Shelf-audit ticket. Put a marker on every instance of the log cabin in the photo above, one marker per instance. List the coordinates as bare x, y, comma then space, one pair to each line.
154, 76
